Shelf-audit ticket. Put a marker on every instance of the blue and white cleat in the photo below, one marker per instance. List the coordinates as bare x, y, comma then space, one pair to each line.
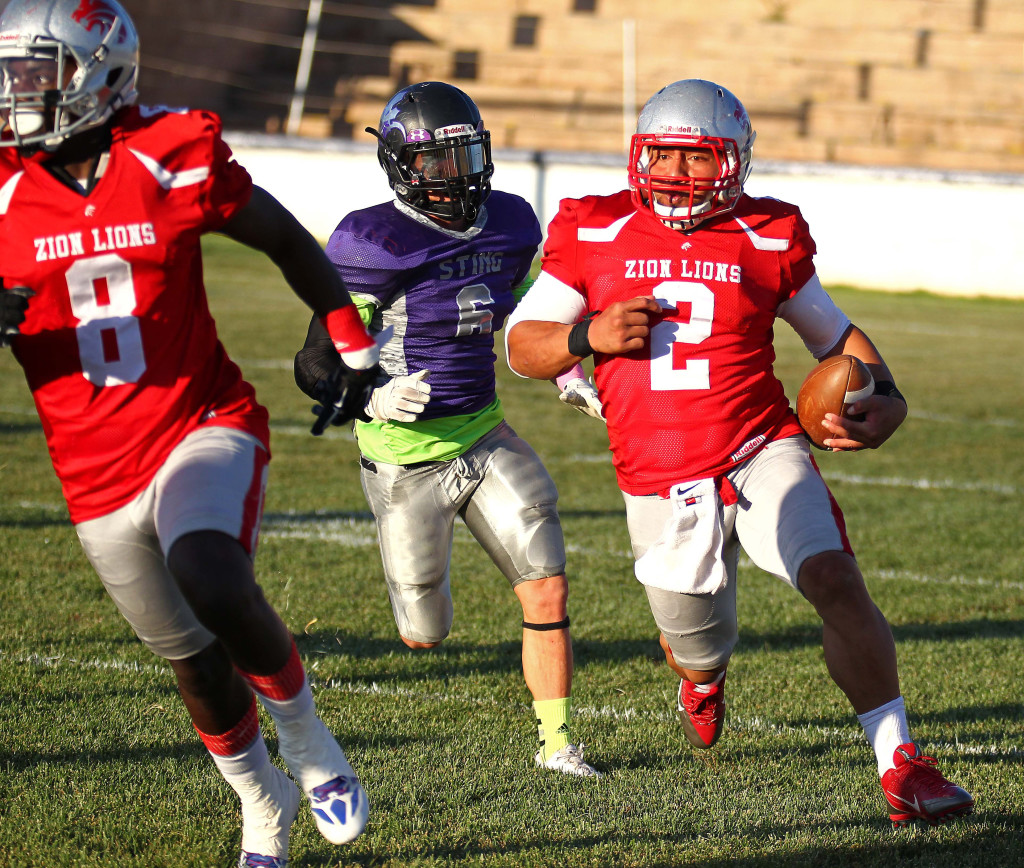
255, 860
340, 808
267, 822
337, 800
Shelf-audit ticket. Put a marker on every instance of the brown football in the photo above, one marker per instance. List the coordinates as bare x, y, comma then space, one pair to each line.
831, 387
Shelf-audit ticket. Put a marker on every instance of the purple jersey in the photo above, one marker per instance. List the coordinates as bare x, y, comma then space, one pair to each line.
445, 292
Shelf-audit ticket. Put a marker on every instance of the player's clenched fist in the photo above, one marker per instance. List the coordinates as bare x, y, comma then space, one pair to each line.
13, 304
624, 326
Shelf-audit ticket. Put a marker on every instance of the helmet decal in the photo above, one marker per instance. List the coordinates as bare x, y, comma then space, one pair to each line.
97, 14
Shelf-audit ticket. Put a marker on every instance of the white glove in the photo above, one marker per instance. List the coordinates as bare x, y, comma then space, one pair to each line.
400, 399
583, 396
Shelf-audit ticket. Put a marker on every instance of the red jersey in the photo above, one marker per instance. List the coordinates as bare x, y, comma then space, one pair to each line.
702, 395
119, 347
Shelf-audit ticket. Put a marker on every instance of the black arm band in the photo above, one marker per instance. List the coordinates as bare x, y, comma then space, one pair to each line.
887, 389
556, 625
579, 342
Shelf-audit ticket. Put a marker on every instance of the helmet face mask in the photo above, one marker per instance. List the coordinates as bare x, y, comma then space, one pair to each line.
95, 51
691, 115
437, 155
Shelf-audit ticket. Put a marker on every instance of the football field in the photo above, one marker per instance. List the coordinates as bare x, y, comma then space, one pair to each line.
99, 765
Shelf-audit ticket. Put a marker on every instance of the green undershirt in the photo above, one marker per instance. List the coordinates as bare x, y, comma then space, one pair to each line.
440, 439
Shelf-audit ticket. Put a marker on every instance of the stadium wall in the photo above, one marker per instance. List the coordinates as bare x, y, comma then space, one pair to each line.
876, 228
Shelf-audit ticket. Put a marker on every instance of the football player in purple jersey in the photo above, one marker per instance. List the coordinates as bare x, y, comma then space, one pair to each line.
439, 265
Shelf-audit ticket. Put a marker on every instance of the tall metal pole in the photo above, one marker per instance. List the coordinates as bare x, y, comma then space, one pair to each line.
628, 79
305, 65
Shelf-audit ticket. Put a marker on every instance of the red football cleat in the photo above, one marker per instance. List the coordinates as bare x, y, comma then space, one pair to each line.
702, 714
916, 790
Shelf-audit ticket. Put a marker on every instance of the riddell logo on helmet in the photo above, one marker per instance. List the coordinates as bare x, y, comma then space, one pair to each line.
96, 13
455, 130
681, 130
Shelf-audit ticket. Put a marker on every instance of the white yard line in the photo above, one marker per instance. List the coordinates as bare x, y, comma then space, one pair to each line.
924, 484
960, 420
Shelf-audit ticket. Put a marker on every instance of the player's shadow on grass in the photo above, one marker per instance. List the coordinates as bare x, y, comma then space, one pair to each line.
18, 428
491, 656
996, 845
960, 719
39, 521
183, 747
456, 658
809, 635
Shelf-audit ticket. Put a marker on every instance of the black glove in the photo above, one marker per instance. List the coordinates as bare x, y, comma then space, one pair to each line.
13, 304
343, 396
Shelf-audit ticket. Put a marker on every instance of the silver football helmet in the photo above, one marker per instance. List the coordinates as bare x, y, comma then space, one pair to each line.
692, 114
96, 51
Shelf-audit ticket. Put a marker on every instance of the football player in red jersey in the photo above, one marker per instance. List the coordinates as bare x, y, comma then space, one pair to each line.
159, 443
675, 286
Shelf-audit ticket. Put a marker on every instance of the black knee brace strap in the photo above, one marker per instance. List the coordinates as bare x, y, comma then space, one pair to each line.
556, 625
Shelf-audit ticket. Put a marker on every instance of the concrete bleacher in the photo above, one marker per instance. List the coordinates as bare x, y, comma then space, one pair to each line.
927, 83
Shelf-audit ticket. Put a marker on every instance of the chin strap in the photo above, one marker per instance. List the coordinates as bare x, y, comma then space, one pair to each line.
556, 625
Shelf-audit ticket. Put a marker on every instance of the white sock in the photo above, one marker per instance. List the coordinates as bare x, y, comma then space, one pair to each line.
886, 729
706, 688
266, 814
296, 714
309, 750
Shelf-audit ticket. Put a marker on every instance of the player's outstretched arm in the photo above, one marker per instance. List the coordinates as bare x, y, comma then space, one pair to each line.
883, 412
539, 349
544, 350
266, 225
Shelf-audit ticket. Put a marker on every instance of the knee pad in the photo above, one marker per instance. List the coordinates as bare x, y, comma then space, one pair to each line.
554, 625
704, 650
423, 614
700, 630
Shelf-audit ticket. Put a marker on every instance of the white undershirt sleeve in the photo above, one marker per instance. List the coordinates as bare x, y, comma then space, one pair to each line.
815, 317
549, 300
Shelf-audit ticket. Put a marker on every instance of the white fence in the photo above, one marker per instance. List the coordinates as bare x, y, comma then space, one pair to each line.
889, 229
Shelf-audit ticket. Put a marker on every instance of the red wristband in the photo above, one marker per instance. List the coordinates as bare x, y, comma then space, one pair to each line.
346, 329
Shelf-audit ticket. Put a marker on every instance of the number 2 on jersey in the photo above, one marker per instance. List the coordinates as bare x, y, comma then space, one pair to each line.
695, 373
109, 337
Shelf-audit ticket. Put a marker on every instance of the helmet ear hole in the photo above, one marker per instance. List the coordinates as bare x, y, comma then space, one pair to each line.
114, 75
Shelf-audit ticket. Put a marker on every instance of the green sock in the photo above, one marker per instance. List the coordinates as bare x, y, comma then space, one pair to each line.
552, 724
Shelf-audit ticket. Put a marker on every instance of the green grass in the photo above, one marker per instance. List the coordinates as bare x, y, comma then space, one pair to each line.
99, 765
